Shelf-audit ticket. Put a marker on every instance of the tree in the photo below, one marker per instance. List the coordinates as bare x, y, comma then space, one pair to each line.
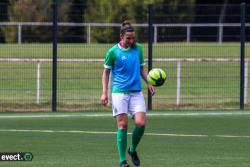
3, 16
136, 11
173, 11
71, 11
110, 11
75, 15
28, 11
92, 11
41, 11
105, 11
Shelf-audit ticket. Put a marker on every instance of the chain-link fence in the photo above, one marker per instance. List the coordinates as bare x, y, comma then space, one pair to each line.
25, 80
199, 47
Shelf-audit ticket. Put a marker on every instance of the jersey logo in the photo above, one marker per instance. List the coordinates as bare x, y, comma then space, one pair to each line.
124, 58
115, 110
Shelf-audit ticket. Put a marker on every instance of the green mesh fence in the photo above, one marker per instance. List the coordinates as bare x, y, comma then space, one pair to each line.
198, 46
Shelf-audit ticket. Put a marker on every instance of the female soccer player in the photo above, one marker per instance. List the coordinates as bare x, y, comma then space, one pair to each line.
126, 61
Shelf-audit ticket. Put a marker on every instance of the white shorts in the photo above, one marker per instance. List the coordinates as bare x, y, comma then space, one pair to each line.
128, 103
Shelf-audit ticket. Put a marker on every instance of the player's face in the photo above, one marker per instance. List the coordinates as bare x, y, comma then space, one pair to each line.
128, 39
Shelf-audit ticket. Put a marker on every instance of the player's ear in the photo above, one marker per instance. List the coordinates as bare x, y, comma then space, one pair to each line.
121, 36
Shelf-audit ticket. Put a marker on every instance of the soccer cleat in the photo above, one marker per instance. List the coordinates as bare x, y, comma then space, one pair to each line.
124, 164
134, 157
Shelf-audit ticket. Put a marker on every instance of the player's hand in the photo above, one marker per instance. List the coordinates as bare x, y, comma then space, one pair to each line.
104, 99
151, 89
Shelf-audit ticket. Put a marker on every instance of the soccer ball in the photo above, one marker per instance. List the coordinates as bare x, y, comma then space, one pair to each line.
156, 77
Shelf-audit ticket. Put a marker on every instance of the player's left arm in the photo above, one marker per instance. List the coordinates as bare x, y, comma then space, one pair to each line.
144, 74
144, 77
142, 70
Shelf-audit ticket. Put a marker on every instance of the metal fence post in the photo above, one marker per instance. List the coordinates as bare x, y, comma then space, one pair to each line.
150, 43
188, 33
155, 34
54, 68
178, 91
38, 80
246, 82
242, 55
88, 33
19, 34
220, 37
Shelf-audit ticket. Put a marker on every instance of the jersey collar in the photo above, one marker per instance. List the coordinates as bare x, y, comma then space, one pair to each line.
123, 49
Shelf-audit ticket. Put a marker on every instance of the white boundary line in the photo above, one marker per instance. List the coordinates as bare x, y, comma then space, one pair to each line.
114, 133
60, 115
55, 116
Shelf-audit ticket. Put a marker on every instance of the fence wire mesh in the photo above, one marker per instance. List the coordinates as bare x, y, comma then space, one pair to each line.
197, 45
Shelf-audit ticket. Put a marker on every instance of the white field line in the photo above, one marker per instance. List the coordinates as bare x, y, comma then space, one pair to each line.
54, 131
231, 136
59, 115
114, 133
55, 116
95, 132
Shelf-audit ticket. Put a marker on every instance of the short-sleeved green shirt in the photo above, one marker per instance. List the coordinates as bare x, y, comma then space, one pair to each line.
125, 65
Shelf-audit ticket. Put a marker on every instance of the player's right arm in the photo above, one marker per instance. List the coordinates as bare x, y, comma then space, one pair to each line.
105, 80
108, 64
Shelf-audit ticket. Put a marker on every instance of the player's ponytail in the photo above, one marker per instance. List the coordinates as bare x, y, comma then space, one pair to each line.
126, 22
126, 27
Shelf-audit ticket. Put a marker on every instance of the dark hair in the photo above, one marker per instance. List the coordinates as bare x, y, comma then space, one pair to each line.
126, 27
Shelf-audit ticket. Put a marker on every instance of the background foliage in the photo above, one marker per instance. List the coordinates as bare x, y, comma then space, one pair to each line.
87, 11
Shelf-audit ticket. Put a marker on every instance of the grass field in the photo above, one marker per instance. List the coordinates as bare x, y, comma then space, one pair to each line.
203, 84
160, 50
172, 139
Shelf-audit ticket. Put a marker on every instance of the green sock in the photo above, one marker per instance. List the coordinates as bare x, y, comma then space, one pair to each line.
122, 143
136, 137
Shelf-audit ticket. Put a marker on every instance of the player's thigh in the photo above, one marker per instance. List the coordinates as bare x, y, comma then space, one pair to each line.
136, 103
120, 103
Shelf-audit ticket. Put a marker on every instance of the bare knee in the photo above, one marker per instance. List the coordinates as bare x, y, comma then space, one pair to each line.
140, 119
140, 123
122, 125
122, 121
